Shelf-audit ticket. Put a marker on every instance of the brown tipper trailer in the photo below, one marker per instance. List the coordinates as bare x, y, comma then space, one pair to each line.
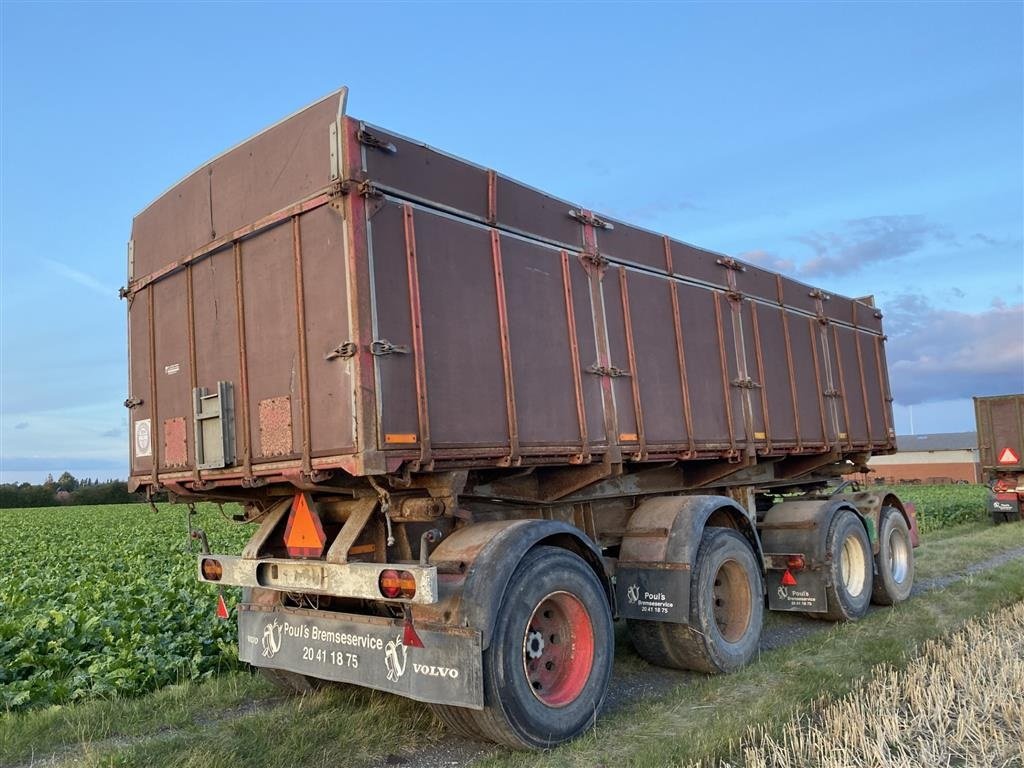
1000, 422
477, 424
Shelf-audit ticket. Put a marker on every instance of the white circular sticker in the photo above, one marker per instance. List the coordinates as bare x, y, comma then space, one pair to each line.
143, 441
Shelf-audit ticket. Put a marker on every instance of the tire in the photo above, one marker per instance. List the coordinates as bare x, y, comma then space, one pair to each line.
850, 569
726, 611
547, 667
894, 563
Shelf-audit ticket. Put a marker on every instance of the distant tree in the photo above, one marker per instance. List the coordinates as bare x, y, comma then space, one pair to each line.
67, 482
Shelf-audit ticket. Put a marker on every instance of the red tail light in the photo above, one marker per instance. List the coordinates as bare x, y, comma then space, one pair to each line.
796, 563
397, 584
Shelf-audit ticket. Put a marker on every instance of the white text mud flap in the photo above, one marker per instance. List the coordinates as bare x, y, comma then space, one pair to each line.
660, 593
366, 651
807, 594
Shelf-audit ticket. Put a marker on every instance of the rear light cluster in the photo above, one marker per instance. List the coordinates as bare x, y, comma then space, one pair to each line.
795, 563
397, 584
212, 569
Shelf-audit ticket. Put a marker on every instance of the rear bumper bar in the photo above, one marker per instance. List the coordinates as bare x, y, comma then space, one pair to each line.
318, 577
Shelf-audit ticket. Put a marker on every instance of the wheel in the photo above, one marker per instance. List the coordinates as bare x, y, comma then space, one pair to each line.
726, 611
547, 667
850, 569
894, 562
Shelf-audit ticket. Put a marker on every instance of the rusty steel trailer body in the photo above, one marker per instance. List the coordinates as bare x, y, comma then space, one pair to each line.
1000, 423
437, 388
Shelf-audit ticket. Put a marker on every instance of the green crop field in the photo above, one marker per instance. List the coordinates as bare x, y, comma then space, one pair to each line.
103, 600
942, 506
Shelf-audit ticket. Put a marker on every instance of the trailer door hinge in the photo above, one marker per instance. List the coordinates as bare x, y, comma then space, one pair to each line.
367, 189
832, 393
345, 349
730, 263
817, 293
133, 402
611, 371
746, 384
586, 217
381, 347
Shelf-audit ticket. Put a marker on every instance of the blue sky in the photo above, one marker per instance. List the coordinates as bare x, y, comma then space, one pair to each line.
867, 148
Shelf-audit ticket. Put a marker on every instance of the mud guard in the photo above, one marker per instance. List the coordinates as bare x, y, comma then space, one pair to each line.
659, 548
475, 565
800, 528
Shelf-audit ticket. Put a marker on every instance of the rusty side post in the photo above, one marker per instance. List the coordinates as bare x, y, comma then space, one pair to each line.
300, 320
574, 351
243, 365
759, 355
883, 388
792, 376
638, 411
506, 351
863, 382
595, 275
492, 197
677, 328
190, 306
813, 325
416, 316
842, 386
153, 416
360, 291
726, 387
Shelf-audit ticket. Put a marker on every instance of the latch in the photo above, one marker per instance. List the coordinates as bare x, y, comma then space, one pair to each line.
382, 347
817, 293
730, 263
345, 349
133, 402
367, 189
832, 393
586, 217
747, 383
611, 371
370, 140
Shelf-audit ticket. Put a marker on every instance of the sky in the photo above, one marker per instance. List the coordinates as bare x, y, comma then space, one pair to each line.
869, 148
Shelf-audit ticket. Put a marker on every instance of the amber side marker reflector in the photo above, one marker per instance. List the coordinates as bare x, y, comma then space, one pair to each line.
400, 439
222, 608
788, 580
304, 535
212, 569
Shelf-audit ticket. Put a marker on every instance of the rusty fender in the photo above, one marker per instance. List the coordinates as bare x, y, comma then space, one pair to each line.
659, 550
475, 564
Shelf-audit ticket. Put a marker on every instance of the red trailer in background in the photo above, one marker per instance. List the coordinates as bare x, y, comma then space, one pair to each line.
476, 424
1000, 423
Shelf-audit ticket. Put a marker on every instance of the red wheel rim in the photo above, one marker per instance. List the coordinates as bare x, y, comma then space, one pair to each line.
558, 649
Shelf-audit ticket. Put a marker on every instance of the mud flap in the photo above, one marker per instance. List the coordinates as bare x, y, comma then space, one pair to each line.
808, 594
365, 651
660, 593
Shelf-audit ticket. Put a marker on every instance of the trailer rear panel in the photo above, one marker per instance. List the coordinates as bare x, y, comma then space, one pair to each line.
1000, 422
330, 295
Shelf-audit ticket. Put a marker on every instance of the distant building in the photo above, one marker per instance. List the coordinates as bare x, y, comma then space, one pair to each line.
950, 457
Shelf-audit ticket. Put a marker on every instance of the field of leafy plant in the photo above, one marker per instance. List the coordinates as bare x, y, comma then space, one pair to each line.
942, 506
100, 601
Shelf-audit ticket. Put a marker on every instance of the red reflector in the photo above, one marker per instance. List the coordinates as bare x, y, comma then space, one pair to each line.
1009, 456
795, 562
304, 535
788, 580
409, 637
222, 607
389, 584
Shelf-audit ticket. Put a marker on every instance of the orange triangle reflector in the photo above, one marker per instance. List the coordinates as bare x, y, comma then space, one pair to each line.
222, 607
788, 580
304, 535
